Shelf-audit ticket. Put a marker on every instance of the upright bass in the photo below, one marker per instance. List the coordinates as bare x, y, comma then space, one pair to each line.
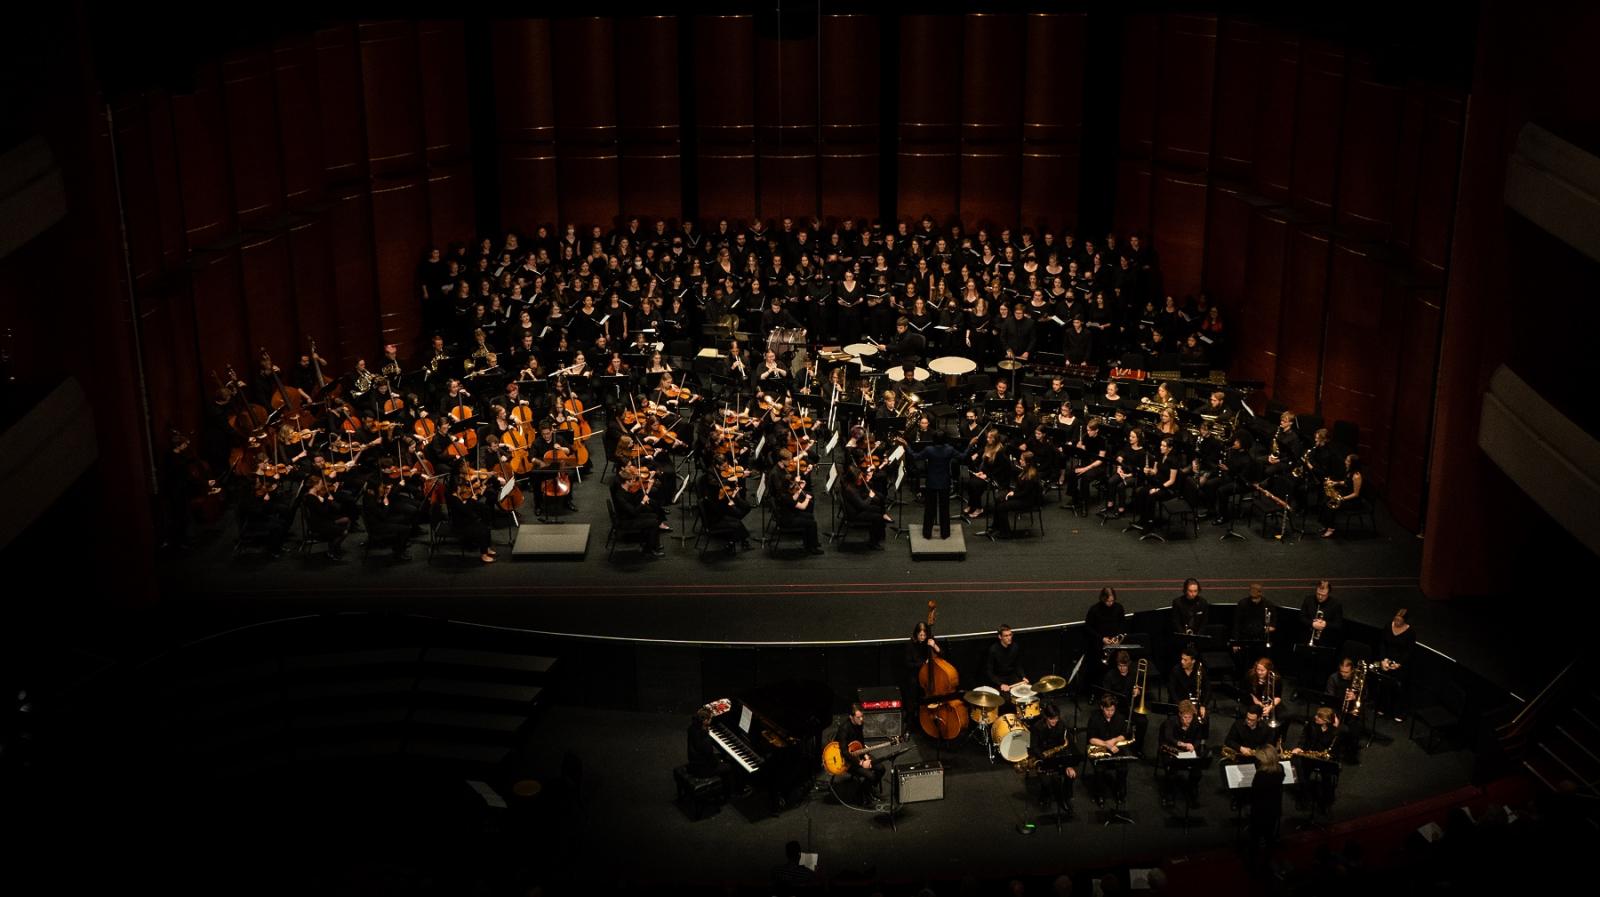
940, 712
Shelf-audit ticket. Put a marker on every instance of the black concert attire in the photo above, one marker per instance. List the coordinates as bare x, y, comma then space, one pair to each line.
1104, 622
1184, 686
1107, 730
1027, 494
469, 519
706, 759
868, 776
1320, 779
1054, 783
936, 486
1250, 619
861, 509
791, 515
724, 517
1120, 686
1174, 731
1266, 806
389, 520
1240, 735
1189, 616
1003, 664
1398, 648
635, 516
1332, 615
327, 521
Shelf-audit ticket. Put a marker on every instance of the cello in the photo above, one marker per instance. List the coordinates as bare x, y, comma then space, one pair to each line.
942, 719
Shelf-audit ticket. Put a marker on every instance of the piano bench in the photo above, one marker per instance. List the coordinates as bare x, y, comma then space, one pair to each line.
698, 793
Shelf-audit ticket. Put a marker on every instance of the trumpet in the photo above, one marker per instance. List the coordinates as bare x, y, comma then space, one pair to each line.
1316, 634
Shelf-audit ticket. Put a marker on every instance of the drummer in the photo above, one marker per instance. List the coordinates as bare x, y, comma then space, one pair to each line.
906, 346
1003, 666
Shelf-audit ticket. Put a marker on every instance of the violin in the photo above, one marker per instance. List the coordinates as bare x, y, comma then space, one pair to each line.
801, 422
639, 478
796, 466
733, 472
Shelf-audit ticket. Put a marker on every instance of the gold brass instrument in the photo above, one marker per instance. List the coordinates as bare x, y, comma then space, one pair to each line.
1096, 752
1358, 684
1141, 676
1331, 490
363, 382
1268, 709
1116, 642
1199, 683
1228, 754
1027, 764
1316, 634
1316, 755
1266, 625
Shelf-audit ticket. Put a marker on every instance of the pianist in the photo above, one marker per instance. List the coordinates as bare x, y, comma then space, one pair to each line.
705, 758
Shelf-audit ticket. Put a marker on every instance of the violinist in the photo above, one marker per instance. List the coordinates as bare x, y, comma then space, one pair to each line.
636, 511
864, 506
793, 503
723, 506
268, 509
327, 520
471, 513
389, 515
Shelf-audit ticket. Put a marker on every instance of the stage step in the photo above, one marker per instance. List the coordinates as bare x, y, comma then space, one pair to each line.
936, 549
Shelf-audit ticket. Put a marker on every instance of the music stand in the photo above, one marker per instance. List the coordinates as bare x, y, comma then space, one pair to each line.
1183, 763
1118, 814
1323, 769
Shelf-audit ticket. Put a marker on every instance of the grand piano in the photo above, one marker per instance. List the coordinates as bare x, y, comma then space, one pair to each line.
774, 734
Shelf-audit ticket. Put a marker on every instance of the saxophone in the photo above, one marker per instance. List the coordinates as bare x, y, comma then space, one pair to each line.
1028, 764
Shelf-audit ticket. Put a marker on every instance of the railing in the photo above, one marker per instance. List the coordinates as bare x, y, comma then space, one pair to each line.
1513, 734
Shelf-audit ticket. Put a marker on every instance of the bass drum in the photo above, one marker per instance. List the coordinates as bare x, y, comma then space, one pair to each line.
1011, 737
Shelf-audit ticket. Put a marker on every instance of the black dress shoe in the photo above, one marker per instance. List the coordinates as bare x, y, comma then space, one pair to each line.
817, 550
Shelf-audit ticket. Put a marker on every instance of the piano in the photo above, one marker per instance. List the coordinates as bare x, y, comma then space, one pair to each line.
774, 734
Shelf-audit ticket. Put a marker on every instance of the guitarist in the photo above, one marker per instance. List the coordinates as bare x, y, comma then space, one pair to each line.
861, 768
1059, 770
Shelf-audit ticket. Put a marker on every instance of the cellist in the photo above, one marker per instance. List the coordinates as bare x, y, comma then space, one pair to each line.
544, 452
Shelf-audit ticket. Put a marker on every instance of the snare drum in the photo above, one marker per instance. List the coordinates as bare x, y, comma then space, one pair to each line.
1011, 737
1027, 707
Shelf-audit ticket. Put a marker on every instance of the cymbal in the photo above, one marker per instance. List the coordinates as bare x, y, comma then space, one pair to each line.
982, 699
1011, 364
1049, 684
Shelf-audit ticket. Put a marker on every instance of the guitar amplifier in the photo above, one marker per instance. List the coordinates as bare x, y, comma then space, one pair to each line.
885, 717
920, 782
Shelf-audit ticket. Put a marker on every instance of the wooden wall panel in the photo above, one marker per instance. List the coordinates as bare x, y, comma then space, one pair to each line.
350, 235
202, 144
268, 301
1370, 152
650, 178
250, 105
786, 126
1180, 231
442, 60
1188, 65
1141, 39
1305, 296
1133, 197
930, 117
164, 172
1413, 404
1227, 247
1439, 160
1319, 123
399, 228
850, 108
1359, 361
311, 264
299, 124
450, 205
140, 203
524, 99
1238, 96
1275, 119
219, 318
339, 101
725, 115
1052, 119
991, 119
1257, 324
391, 97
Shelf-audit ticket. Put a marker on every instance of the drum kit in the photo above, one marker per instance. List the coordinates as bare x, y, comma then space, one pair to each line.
1006, 734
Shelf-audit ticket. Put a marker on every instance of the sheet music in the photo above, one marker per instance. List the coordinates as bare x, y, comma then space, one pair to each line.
681, 486
833, 474
545, 331
895, 455
602, 321
759, 446
1058, 320
761, 490
899, 478
832, 442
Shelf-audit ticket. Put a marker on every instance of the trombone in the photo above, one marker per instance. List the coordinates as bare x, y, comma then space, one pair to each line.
1141, 677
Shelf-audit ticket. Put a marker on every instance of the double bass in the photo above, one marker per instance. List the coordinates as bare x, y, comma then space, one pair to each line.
940, 713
